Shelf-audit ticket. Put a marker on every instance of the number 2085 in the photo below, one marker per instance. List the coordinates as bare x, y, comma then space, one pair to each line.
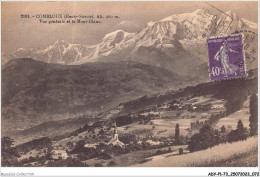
25, 16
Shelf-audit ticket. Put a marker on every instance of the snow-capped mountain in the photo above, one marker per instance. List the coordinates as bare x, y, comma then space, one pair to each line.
66, 53
176, 42
60, 52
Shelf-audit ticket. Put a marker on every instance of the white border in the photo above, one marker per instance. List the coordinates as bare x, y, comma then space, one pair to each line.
124, 171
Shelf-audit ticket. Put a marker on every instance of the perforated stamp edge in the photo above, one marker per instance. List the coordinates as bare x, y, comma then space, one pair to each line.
243, 52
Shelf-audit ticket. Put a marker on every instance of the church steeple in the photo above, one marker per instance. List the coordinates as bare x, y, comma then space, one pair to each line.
115, 136
115, 141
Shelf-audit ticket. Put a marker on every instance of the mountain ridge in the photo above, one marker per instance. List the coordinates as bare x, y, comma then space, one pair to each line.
35, 92
158, 34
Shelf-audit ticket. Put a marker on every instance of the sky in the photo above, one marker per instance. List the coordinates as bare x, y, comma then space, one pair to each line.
18, 32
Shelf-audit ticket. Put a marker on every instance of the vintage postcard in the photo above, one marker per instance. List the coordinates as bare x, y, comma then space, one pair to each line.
129, 84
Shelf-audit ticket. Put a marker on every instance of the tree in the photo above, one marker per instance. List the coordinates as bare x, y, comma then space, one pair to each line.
101, 132
48, 152
169, 149
75, 163
70, 144
242, 132
177, 134
98, 165
206, 138
240, 126
79, 147
233, 105
253, 119
239, 134
111, 163
223, 129
180, 151
9, 153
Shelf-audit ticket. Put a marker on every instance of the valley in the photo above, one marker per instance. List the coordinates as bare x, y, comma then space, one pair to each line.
42, 92
145, 133
133, 99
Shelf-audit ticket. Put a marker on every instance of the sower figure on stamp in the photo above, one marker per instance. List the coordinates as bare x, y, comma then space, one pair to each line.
222, 55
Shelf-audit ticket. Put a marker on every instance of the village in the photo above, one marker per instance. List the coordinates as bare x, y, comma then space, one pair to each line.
152, 130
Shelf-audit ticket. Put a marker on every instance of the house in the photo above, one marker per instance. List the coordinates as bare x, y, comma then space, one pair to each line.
217, 106
194, 108
153, 143
91, 145
59, 154
73, 156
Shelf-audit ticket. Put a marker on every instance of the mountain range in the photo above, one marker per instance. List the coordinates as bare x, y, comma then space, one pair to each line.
176, 43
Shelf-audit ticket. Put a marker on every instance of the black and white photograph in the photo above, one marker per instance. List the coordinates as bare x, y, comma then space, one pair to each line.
129, 84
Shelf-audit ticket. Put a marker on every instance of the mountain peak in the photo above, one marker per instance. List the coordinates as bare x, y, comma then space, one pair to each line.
249, 23
61, 42
21, 49
115, 33
182, 17
231, 14
198, 11
115, 37
151, 23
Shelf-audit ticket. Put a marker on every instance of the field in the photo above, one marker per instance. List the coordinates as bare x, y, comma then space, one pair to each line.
249, 159
165, 119
132, 158
162, 127
229, 154
230, 121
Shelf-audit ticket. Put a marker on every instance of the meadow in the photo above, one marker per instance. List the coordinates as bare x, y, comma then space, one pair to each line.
225, 153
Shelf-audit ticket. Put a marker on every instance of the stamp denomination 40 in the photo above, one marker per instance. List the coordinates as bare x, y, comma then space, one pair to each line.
226, 57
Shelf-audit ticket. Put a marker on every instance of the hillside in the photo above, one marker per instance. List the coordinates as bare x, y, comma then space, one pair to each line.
219, 156
35, 92
147, 125
234, 91
160, 112
52, 129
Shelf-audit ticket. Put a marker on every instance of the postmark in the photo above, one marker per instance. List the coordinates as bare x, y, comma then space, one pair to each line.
250, 47
226, 57
212, 21
208, 23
